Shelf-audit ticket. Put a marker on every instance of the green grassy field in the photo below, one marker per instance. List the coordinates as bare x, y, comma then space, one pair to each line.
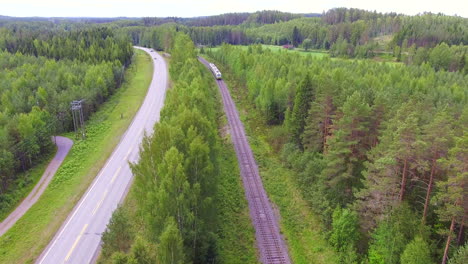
25, 241
384, 57
313, 53
301, 228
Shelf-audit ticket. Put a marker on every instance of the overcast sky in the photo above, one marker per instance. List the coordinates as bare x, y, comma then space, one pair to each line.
190, 8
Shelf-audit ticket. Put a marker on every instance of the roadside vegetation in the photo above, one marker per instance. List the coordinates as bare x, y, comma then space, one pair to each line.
29, 236
367, 144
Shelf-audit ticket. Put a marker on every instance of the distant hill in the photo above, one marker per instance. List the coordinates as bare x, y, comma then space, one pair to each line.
66, 19
228, 19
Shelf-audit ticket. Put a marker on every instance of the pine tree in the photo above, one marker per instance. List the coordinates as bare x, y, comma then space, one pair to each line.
438, 136
386, 172
296, 37
347, 151
319, 124
408, 146
305, 95
453, 193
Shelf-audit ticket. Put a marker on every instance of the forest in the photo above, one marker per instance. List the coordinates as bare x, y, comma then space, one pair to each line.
434, 39
379, 150
361, 132
377, 147
40, 76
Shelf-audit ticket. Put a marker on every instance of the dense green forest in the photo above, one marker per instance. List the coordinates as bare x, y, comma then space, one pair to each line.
260, 17
89, 45
379, 150
39, 77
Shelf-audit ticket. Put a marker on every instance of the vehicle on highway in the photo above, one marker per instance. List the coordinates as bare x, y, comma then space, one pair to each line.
215, 71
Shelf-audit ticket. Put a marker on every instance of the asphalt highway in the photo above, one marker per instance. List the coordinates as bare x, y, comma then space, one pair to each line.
79, 238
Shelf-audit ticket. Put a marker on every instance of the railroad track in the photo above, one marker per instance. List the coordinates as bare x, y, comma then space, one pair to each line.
270, 243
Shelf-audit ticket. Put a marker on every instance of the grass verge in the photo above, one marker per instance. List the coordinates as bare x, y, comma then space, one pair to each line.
25, 240
300, 227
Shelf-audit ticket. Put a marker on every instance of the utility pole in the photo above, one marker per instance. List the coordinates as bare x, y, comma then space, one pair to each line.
78, 119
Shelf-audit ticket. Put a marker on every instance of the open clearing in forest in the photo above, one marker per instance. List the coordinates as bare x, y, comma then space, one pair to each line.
300, 51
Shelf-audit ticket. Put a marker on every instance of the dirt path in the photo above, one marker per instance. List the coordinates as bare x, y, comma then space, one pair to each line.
63, 146
269, 240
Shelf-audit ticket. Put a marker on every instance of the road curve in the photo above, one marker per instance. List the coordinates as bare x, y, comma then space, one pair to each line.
63, 147
269, 240
79, 238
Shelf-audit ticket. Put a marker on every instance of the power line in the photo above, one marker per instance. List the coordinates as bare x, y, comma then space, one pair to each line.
78, 119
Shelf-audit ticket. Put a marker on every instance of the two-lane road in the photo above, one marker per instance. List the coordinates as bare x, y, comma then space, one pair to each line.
79, 238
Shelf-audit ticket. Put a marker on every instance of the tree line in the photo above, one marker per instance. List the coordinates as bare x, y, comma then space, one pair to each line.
92, 45
441, 57
349, 33
353, 32
436, 39
176, 177
380, 151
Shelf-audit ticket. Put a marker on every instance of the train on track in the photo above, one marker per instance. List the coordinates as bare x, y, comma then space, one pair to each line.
215, 71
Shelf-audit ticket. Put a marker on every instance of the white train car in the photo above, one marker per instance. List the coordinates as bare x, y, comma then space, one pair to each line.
215, 71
